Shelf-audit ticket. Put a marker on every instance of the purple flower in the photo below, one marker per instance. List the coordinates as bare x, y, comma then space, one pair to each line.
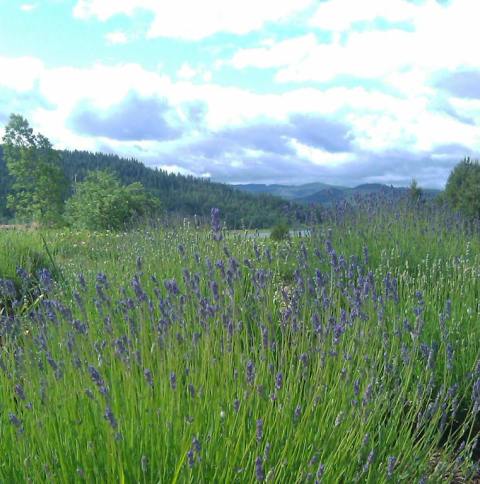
297, 413
250, 372
14, 420
110, 417
190, 458
279, 381
259, 430
320, 472
45, 279
391, 461
259, 471
370, 459
20, 391
148, 376
173, 380
216, 224
97, 379
7, 289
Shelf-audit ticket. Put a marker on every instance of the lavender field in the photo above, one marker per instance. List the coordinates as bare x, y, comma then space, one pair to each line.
191, 354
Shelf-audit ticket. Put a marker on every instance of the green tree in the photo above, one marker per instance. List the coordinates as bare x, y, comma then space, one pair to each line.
38, 180
415, 192
101, 202
280, 232
462, 191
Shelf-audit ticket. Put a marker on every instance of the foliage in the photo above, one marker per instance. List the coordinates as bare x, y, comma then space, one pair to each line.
101, 202
182, 196
463, 188
38, 180
415, 192
280, 231
360, 367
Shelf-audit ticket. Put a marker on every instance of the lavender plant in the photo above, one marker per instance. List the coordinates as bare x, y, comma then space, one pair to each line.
170, 355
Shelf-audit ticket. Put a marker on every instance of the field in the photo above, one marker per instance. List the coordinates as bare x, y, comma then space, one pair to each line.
349, 354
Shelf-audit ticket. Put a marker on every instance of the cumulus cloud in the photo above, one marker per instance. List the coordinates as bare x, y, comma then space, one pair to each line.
115, 38
20, 73
133, 119
438, 37
196, 20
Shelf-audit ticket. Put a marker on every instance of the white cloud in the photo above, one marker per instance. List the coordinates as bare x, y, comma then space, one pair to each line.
186, 72
321, 157
104, 9
378, 121
194, 20
339, 15
20, 73
440, 39
290, 51
28, 7
115, 38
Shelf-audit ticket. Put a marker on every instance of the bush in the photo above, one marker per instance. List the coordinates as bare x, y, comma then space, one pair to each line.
462, 191
100, 202
280, 232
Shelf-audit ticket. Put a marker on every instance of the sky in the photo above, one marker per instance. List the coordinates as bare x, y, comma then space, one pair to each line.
251, 91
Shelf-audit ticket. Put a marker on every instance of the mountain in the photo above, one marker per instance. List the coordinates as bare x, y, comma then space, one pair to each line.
324, 194
180, 195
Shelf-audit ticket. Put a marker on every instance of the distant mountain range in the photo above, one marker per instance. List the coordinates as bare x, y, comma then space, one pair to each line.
325, 194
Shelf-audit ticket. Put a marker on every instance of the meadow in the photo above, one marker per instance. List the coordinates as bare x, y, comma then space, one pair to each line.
194, 354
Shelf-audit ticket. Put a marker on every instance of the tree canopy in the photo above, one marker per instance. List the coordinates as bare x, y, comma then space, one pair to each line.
101, 202
462, 191
37, 179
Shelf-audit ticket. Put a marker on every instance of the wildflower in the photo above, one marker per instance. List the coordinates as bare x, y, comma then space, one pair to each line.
190, 458
20, 391
45, 279
259, 432
148, 376
14, 420
173, 380
97, 379
297, 413
259, 470
110, 417
279, 381
370, 459
320, 472
391, 461
216, 224
250, 372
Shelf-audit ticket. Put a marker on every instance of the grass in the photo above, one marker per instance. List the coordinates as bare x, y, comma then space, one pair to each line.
349, 355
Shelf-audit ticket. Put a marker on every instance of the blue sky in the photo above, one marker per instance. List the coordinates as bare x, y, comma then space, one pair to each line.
271, 91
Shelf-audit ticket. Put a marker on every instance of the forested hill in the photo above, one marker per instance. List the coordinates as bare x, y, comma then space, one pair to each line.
182, 195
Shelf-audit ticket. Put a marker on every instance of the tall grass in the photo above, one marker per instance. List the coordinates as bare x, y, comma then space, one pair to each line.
349, 355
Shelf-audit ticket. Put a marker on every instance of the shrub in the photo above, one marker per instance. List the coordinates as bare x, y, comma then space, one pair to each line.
280, 232
100, 202
462, 191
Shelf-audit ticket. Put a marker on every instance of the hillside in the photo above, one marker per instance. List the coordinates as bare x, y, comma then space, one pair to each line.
326, 194
180, 195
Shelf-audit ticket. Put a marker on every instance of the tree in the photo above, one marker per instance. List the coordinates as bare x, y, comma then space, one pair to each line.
38, 180
415, 192
462, 191
280, 232
101, 202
